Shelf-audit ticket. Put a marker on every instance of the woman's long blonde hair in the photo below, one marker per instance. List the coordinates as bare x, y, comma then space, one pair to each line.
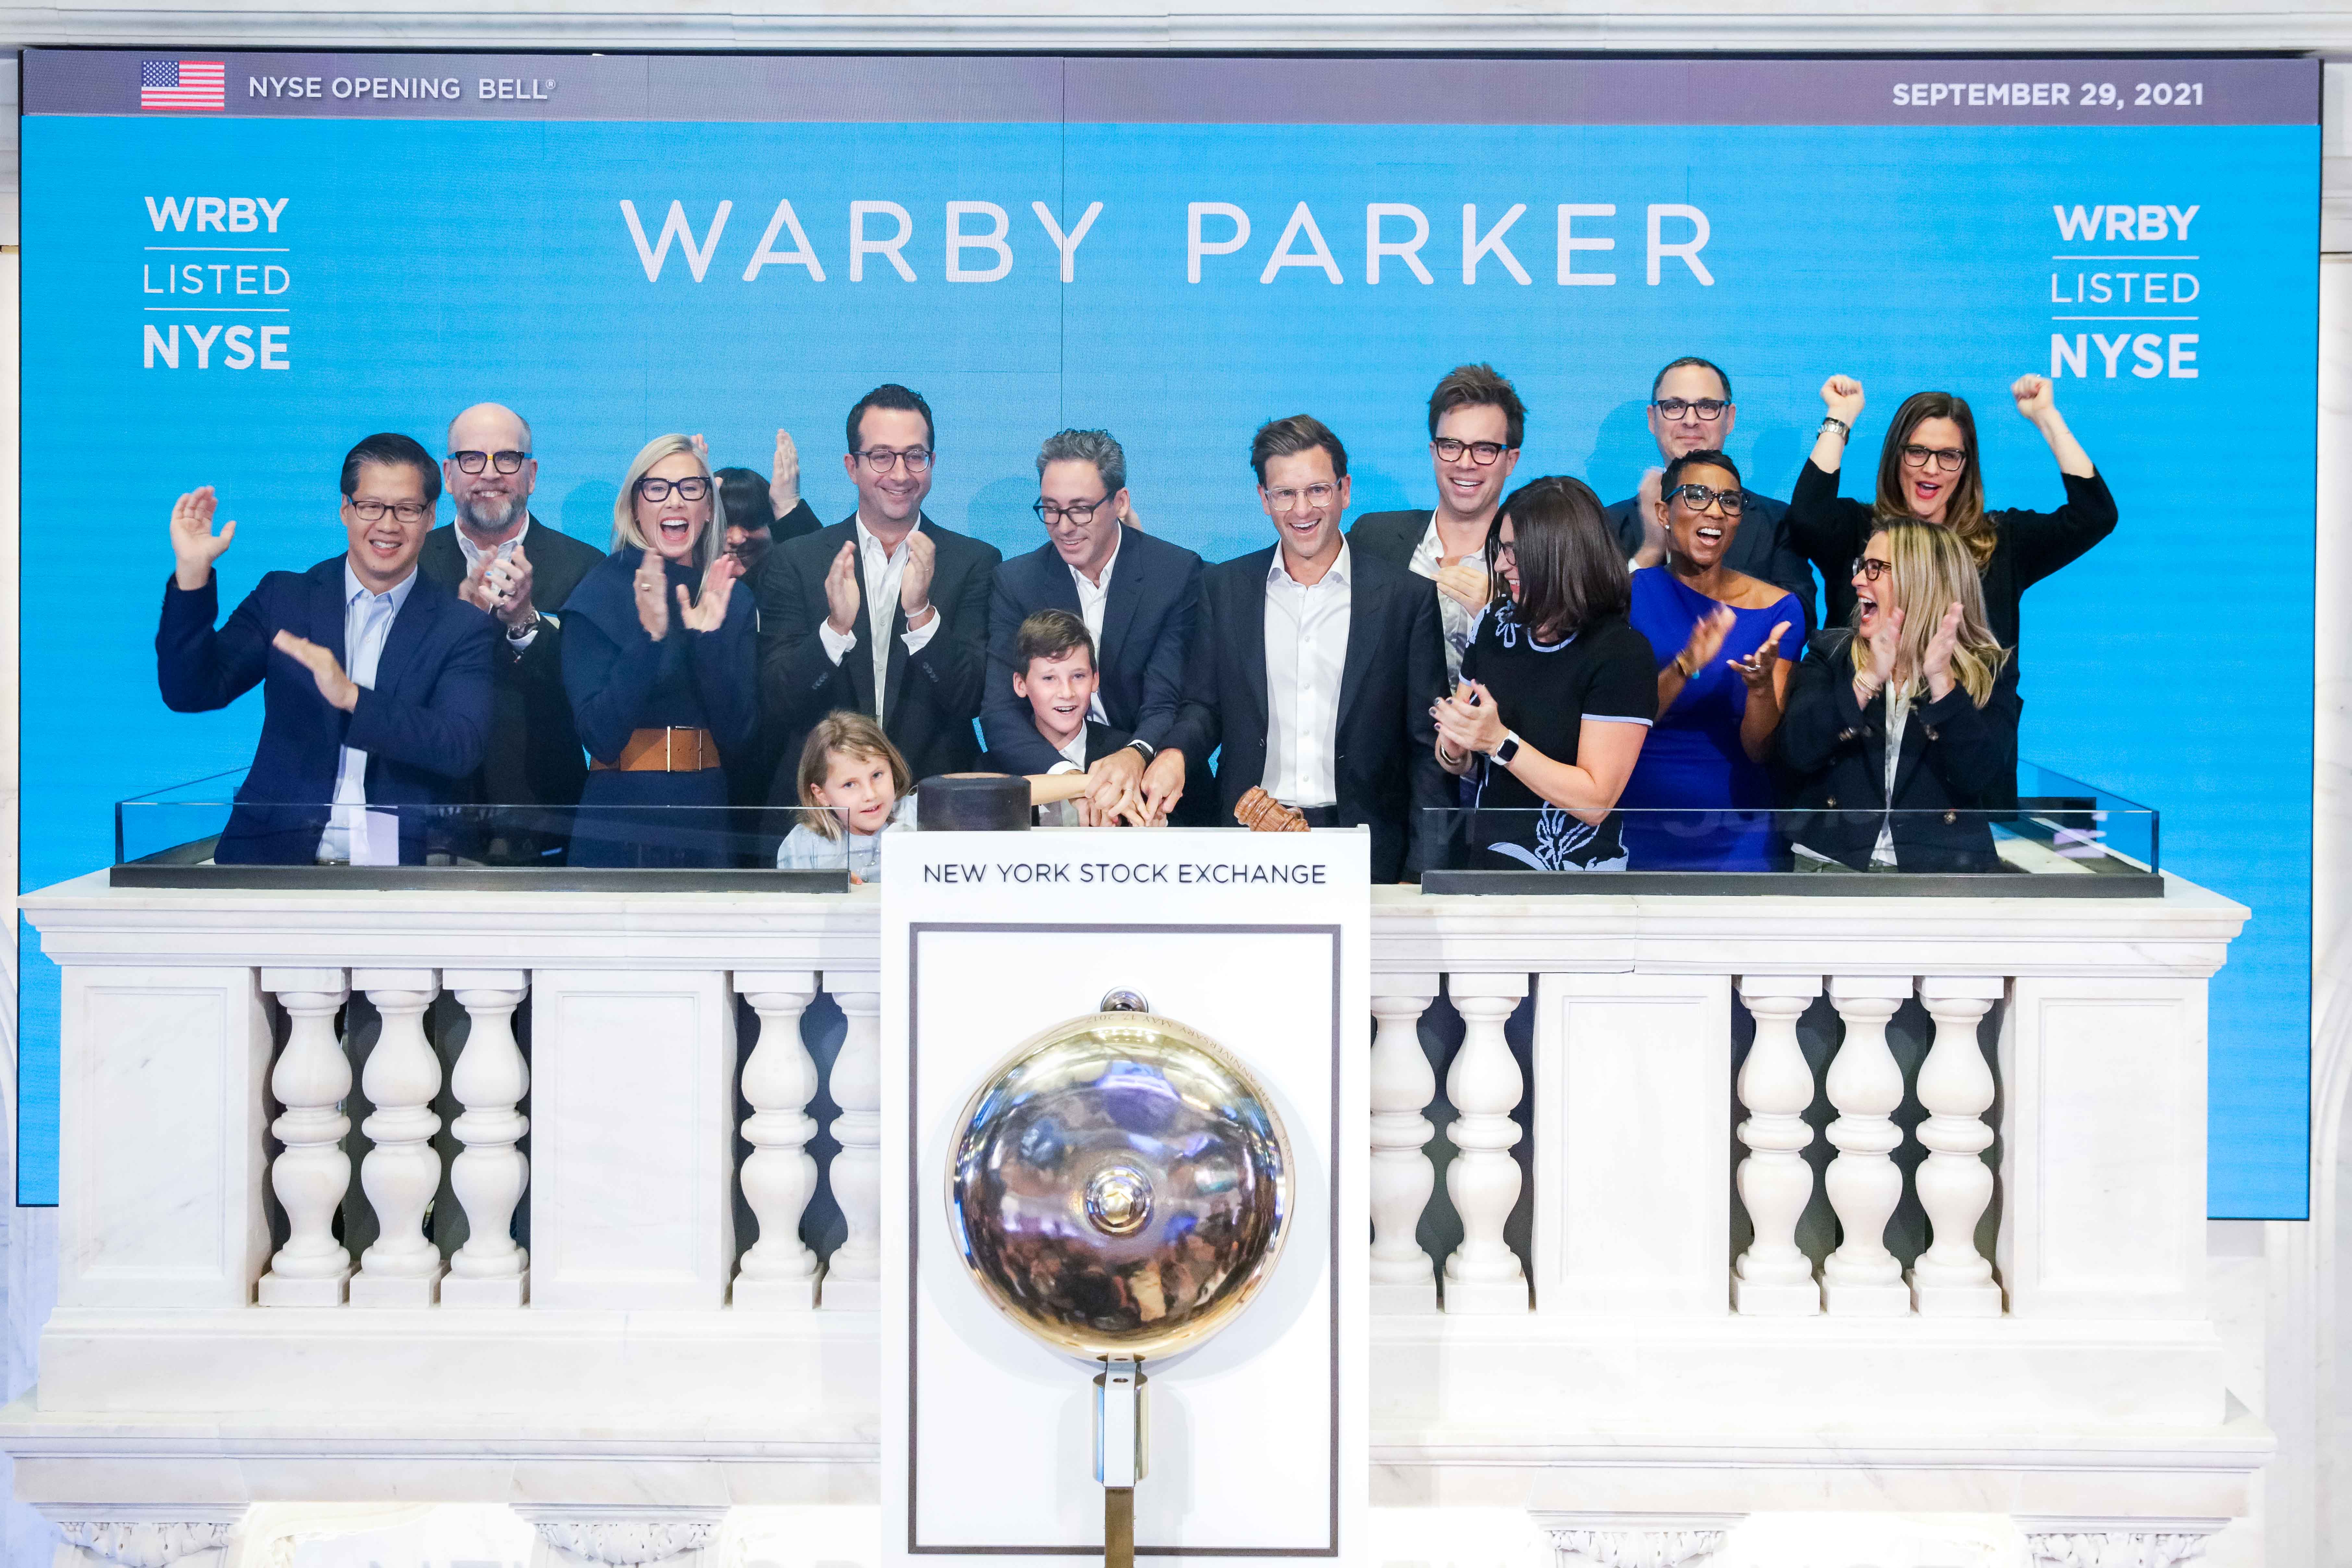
627, 535
1931, 568
861, 740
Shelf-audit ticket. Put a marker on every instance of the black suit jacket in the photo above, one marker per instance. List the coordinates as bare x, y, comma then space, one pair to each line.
1392, 536
534, 756
1155, 596
931, 699
423, 724
1102, 740
1394, 670
1762, 547
1957, 762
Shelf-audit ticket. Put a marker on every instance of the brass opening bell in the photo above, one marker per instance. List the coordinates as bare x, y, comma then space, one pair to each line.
1120, 1188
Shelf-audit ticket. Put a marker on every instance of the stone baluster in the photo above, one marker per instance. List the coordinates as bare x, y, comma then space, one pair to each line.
402, 1171
1484, 1275
1952, 1278
311, 1171
1774, 1277
489, 1174
853, 1276
1862, 1277
1403, 1176
778, 1270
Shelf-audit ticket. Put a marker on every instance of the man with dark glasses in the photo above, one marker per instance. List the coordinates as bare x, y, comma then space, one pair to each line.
496, 557
1691, 410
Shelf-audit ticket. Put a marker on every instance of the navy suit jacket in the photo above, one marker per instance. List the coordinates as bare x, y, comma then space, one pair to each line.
1155, 596
424, 725
1391, 675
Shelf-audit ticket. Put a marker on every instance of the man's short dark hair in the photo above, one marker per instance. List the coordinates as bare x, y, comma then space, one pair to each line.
1288, 438
1480, 386
743, 495
1051, 634
392, 450
1099, 447
890, 395
1721, 379
1707, 459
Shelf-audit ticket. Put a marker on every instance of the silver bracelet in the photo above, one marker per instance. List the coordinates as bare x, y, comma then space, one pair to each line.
1845, 431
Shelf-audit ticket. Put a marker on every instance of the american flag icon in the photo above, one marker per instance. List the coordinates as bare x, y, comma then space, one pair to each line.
183, 84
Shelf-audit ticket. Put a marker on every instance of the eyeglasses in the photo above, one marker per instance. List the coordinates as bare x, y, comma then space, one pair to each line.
1314, 495
1080, 512
1486, 453
917, 458
1698, 498
474, 462
1506, 550
692, 487
405, 511
1869, 569
1948, 458
1707, 408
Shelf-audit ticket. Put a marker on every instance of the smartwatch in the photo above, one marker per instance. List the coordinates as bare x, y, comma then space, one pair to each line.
1508, 749
1146, 747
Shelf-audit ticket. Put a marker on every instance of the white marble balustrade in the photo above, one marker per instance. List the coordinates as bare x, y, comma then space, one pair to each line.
1589, 1212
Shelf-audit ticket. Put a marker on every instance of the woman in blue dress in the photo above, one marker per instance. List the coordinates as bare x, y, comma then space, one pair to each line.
1701, 797
659, 662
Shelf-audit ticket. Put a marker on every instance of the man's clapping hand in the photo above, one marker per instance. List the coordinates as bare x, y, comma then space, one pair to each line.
337, 688
194, 546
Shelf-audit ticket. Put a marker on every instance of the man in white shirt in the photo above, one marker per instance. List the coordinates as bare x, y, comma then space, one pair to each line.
1314, 667
1475, 424
885, 613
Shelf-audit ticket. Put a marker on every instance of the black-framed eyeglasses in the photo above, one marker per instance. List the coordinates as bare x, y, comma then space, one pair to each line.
694, 487
917, 458
1506, 550
1486, 453
475, 462
1869, 568
1707, 408
1698, 498
1948, 458
1080, 512
405, 511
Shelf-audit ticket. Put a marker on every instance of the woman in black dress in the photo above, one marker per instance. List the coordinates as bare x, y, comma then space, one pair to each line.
659, 661
1928, 469
1557, 692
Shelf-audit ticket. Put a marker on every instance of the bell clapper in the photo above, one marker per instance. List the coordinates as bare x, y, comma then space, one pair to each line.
1120, 1453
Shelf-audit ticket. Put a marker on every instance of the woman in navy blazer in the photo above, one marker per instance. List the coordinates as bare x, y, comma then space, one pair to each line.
423, 721
1904, 726
657, 657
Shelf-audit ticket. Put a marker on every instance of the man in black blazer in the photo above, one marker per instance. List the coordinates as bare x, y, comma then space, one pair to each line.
818, 595
1314, 667
1476, 425
498, 557
375, 682
1135, 595
1691, 410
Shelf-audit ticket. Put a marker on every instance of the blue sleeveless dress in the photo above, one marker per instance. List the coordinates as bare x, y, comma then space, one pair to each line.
1718, 803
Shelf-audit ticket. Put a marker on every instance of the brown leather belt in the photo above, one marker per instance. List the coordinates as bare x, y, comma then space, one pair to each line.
663, 751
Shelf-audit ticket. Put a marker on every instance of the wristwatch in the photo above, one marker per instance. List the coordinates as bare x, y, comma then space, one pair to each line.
1845, 431
516, 634
1508, 749
1146, 747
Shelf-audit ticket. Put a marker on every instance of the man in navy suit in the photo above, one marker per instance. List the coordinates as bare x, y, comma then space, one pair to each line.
375, 682
1137, 596
1314, 667
884, 613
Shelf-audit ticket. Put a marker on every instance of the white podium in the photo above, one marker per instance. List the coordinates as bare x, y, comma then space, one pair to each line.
1258, 1438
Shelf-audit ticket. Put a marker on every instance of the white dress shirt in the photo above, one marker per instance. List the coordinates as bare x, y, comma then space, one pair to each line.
1898, 716
880, 571
1305, 652
367, 621
1092, 597
1456, 619
474, 552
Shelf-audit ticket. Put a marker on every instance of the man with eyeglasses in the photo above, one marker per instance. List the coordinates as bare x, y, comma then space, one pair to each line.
498, 558
1314, 667
822, 595
1476, 425
1691, 410
1138, 596
376, 685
